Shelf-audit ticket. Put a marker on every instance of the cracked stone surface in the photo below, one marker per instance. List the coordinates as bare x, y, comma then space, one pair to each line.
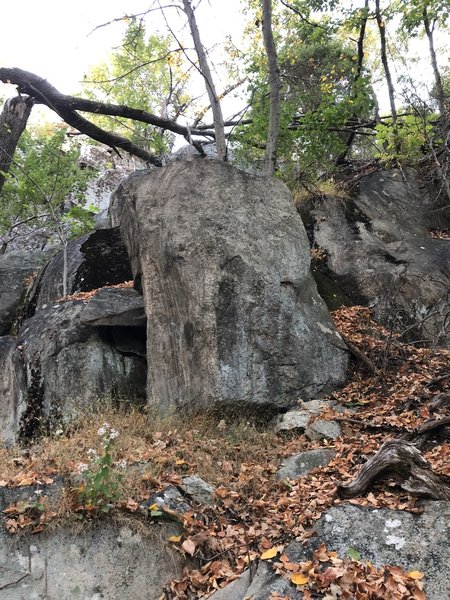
98, 561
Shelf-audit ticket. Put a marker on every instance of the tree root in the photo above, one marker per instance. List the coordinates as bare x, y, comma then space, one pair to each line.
402, 461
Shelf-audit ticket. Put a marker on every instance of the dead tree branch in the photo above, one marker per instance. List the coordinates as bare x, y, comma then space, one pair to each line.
402, 461
42, 92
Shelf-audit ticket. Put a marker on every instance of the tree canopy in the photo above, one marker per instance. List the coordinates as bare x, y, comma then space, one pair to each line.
306, 83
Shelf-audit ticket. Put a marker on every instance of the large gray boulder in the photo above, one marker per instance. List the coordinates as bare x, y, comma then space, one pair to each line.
388, 537
233, 313
383, 537
376, 249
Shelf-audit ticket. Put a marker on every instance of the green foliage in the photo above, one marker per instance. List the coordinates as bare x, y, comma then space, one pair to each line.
412, 13
44, 177
102, 483
353, 554
144, 73
407, 142
321, 91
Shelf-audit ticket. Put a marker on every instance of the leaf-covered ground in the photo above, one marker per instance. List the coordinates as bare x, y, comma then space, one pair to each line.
390, 390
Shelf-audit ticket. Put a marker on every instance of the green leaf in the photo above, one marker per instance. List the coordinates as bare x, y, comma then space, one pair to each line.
353, 554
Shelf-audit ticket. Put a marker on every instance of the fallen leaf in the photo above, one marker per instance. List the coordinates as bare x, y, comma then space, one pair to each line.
353, 554
416, 575
175, 539
269, 553
299, 579
188, 546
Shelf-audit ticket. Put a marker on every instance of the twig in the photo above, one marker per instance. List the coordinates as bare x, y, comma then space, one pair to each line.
369, 425
360, 354
437, 380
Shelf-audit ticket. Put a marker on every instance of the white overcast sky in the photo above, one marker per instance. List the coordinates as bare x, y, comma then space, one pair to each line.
55, 39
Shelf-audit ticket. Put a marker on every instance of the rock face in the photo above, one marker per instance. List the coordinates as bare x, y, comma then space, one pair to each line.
233, 313
103, 561
387, 537
16, 271
376, 249
70, 356
58, 367
95, 259
383, 537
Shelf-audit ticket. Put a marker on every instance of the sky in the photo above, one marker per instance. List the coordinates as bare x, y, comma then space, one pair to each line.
56, 40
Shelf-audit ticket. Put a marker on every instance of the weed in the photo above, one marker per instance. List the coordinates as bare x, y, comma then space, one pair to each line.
101, 486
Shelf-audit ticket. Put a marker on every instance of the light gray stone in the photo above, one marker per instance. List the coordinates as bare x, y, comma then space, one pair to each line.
315, 406
233, 313
170, 498
301, 464
387, 537
323, 430
96, 561
236, 590
199, 489
292, 420
264, 584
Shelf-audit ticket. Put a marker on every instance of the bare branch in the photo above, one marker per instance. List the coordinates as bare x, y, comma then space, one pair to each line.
66, 107
216, 109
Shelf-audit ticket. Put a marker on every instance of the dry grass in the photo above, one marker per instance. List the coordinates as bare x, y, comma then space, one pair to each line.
329, 187
152, 448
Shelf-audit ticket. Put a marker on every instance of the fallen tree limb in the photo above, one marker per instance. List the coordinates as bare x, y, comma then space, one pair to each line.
439, 402
437, 380
402, 461
42, 92
432, 425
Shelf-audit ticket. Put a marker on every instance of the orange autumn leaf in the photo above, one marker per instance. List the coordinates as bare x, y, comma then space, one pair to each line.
270, 553
175, 539
299, 579
416, 575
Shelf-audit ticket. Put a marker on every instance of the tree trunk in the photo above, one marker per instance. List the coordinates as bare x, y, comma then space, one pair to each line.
440, 95
13, 121
221, 145
362, 32
65, 267
274, 87
384, 60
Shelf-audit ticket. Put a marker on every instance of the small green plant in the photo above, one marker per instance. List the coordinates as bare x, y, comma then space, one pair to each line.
101, 486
